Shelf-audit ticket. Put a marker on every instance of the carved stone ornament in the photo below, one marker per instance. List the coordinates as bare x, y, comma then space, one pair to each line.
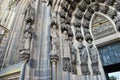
118, 25
24, 55
101, 1
96, 7
87, 1
79, 14
85, 69
66, 64
117, 6
63, 14
73, 5
55, 39
95, 69
29, 14
65, 6
73, 52
88, 37
110, 2
112, 14
93, 54
87, 16
91, 10
104, 9
83, 54
85, 24
64, 27
82, 6
70, 33
54, 58
77, 23
79, 35
53, 23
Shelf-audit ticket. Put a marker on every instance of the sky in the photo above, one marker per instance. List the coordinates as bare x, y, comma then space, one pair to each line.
116, 74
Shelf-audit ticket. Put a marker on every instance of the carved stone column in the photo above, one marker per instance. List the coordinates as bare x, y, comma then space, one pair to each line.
54, 59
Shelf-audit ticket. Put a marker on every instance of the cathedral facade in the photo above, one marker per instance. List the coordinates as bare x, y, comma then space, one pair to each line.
59, 39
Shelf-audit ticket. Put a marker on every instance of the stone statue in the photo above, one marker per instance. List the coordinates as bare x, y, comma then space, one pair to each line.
54, 36
83, 55
84, 59
65, 42
29, 18
29, 14
73, 53
93, 54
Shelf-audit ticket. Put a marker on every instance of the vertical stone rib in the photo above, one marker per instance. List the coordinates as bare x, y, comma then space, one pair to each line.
45, 59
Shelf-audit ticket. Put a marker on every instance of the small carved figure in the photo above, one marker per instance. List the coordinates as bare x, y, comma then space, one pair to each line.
29, 14
93, 54
65, 43
83, 55
54, 35
73, 53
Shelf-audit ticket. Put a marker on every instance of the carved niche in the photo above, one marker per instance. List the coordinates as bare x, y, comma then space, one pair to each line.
55, 38
27, 36
73, 52
84, 59
94, 59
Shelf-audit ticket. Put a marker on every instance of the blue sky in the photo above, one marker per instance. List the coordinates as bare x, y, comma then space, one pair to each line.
116, 74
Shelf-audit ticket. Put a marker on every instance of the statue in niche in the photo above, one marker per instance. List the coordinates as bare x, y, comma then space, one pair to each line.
66, 49
73, 52
29, 19
84, 59
29, 14
54, 36
83, 54
93, 54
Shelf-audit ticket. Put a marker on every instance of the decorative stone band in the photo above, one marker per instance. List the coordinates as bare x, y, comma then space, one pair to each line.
66, 64
54, 58
24, 55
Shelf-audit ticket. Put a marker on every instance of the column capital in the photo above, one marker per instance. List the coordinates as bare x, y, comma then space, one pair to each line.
24, 55
54, 58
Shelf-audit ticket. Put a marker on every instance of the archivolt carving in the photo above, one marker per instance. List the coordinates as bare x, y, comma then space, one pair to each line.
104, 9
117, 6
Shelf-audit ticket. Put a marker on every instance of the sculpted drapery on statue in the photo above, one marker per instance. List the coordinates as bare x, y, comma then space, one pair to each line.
55, 39
84, 59
27, 36
93, 54
66, 49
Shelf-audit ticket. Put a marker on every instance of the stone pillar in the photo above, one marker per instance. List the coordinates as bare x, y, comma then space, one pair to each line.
45, 47
54, 59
